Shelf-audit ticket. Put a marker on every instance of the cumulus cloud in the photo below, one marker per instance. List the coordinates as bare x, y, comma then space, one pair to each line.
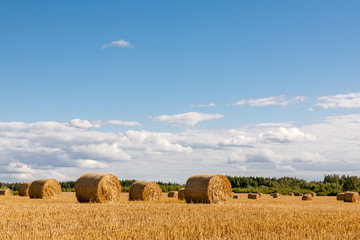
64, 151
79, 123
351, 100
277, 100
204, 105
284, 135
187, 119
120, 43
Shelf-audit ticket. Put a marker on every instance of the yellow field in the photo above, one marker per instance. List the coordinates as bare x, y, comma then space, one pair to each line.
266, 218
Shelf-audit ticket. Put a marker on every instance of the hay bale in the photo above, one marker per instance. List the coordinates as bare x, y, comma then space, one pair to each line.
181, 194
145, 191
24, 189
260, 195
173, 194
291, 194
235, 196
276, 195
340, 196
97, 187
44, 188
301, 194
208, 188
306, 197
249, 195
254, 196
5, 192
351, 197
313, 194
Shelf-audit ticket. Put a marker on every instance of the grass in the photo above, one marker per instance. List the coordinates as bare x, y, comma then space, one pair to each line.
266, 218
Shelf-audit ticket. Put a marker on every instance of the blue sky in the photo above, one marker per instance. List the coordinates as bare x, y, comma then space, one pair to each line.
178, 73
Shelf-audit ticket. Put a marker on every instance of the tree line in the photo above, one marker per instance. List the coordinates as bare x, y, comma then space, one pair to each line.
331, 185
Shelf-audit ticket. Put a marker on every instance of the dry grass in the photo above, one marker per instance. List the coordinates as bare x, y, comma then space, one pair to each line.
169, 218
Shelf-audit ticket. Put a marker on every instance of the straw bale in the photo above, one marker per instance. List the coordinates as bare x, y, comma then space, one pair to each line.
97, 187
340, 196
255, 196
306, 197
24, 189
235, 196
145, 191
260, 195
291, 194
276, 195
301, 194
249, 195
44, 188
351, 197
208, 188
181, 194
173, 194
6, 192
313, 194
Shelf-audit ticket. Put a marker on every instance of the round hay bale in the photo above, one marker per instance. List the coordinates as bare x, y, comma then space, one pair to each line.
340, 196
235, 196
144, 191
44, 188
276, 195
351, 197
208, 188
301, 194
313, 194
5, 192
97, 187
254, 196
291, 194
173, 194
249, 195
306, 197
24, 189
260, 195
181, 194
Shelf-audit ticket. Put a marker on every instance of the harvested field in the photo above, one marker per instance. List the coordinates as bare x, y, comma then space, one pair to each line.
283, 218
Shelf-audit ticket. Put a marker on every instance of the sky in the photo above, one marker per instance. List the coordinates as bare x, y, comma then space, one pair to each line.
162, 90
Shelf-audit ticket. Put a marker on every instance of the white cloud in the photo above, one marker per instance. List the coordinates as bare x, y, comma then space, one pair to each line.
284, 135
120, 43
79, 123
60, 150
204, 105
351, 100
187, 119
277, 100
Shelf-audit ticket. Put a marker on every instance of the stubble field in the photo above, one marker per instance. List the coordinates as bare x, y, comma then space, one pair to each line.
265, 218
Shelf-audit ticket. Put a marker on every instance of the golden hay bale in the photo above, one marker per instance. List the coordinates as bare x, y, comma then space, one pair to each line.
6, 192
301, 194
260, 195
235, 196
145, 191
306, 197
249, 195
313, 194
208, 188
254, 196
97, 187
173, 194
340, 196
44, 188
24, 189
181, 194
276, 195
351, 197
291, 194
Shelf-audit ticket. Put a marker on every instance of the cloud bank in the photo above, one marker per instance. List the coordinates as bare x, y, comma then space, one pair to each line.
65, 150
187, 119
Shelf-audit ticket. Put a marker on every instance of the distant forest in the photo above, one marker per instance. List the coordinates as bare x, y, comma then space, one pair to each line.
331, 185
